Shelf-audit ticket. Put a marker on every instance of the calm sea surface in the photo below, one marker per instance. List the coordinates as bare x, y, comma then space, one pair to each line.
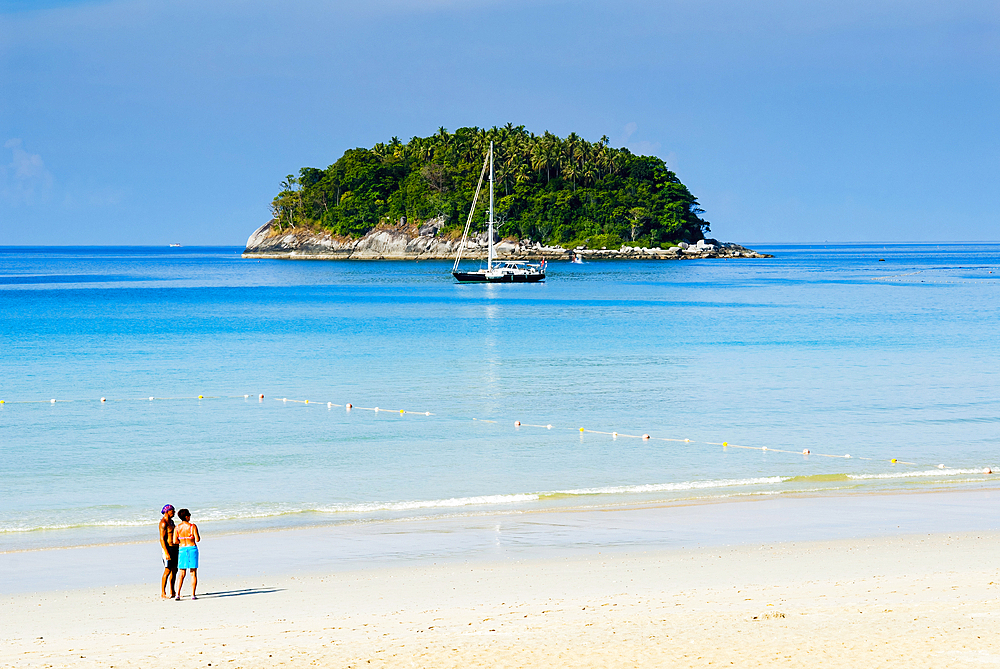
879, 352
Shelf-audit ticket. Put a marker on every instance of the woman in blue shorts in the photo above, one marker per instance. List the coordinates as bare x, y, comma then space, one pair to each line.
187, 558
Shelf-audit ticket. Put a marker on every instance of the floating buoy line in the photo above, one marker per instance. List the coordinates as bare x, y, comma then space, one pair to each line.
348, 407
904, 278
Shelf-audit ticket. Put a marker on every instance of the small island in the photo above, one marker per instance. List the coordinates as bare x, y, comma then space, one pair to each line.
554, 197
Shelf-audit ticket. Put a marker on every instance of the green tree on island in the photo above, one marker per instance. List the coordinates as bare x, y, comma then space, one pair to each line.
566, 192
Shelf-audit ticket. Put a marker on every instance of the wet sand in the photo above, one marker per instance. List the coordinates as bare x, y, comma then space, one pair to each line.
676, 595
915, 601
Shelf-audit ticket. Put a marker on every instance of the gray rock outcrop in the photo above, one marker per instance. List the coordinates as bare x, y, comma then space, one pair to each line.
405, 242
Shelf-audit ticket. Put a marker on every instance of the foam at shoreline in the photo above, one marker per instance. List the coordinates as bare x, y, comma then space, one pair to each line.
922, 600
516, 536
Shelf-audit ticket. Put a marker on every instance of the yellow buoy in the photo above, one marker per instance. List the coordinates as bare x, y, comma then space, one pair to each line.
401, 411
581, 429
201, 397
725, 443
893, 460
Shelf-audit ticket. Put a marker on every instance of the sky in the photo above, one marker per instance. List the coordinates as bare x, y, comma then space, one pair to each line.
149, 122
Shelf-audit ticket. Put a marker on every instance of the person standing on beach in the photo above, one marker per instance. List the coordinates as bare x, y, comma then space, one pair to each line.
168, 544
188, 538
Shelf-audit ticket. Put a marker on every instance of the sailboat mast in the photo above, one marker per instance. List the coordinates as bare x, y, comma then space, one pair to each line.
489, 260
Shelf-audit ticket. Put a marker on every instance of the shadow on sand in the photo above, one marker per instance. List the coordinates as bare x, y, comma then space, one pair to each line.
239, 593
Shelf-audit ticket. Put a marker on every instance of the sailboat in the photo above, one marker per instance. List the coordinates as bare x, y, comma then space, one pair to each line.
505, 271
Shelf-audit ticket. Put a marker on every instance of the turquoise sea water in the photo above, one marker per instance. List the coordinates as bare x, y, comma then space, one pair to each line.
877, 352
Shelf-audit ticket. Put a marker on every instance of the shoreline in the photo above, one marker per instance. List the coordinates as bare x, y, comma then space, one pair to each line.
406, 243
869, 580
507, 535
255, 526
924, 600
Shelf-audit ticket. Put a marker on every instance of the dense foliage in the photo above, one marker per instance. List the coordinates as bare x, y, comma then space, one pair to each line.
556, 191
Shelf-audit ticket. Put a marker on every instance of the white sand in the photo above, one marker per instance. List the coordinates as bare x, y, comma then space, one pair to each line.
913, 601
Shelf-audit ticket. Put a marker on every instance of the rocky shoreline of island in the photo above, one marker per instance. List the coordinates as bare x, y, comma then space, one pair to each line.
403, 242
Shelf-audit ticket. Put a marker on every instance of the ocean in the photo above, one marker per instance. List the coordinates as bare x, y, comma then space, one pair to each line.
880, 360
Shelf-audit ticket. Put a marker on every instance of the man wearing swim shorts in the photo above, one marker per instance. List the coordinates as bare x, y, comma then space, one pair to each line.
168, 546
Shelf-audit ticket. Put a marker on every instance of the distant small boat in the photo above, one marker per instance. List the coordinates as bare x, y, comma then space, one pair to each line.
575, 259
175, 246
508, 271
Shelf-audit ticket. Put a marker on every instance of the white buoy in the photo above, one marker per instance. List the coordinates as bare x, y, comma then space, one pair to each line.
517, 423
548, 427
150, 399
939, 466
376, 409
284, 399
645, 437
348, 406
614, 435
104, 399
329, 405
427, 413
805, 451
246, 397
261, 396
52, 401
847, 456
763, 448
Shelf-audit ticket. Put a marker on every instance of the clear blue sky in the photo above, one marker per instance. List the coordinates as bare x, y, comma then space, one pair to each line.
158, 121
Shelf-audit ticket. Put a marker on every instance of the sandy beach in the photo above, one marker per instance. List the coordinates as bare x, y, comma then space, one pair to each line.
915, 600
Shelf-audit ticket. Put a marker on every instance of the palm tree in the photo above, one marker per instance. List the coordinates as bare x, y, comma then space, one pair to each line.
572, 146
523, 174
398, 150
569, 171
540, 159
443, 140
